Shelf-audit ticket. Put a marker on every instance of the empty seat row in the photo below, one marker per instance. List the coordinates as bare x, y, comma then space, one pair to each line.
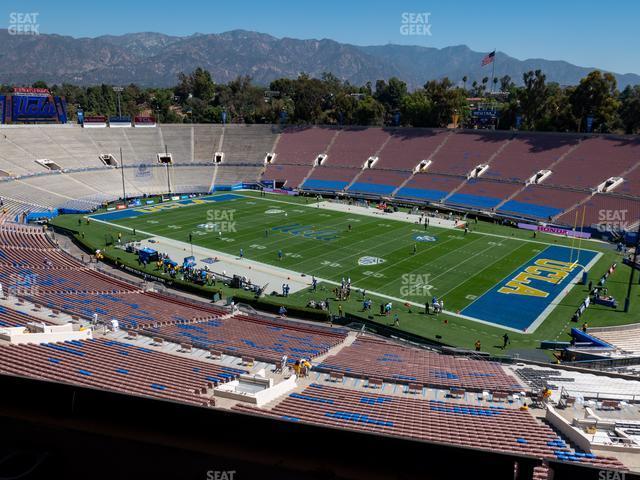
492, 429
370, 357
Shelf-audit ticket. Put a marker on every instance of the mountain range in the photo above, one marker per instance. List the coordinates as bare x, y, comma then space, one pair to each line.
155, 59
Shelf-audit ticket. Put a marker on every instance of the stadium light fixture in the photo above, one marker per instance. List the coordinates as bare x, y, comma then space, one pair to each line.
124, 192
118, 91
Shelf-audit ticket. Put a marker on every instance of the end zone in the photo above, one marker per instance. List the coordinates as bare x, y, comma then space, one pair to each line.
523, 299
158, 207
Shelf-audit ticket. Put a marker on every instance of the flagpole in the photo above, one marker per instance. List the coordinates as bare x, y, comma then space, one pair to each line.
493, 68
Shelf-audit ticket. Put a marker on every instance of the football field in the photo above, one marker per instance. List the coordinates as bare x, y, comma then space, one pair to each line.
505, 281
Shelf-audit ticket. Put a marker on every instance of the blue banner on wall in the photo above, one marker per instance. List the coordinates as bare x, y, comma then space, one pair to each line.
61, 108
27, 108
32, 109
589, 123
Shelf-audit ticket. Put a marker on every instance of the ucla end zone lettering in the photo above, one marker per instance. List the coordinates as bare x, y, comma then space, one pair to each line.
519, 299
544, 270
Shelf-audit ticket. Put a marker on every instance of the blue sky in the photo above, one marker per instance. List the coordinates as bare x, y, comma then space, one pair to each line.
587, 33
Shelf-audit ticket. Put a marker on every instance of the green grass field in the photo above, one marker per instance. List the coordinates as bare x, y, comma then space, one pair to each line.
456, 267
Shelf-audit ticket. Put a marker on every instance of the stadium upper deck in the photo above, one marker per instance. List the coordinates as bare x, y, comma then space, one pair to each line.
490, 171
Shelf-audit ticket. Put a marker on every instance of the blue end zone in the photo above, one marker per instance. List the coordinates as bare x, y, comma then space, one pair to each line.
158, 207
473, 200
324, 184
519, 299
118, 215
434, 195
372, 188
529, 209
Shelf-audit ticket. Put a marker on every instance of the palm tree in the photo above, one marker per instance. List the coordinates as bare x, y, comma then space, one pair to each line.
464, 81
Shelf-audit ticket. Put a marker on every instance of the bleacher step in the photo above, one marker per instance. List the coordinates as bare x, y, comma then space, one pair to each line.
430, 157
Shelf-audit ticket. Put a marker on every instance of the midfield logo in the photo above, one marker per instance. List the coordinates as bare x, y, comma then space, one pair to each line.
370, 260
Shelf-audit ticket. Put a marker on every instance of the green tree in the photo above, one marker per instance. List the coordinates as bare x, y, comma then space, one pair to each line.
630, 108
416, 109
369, 111
596, 95
533, 98
446, 99
390, 94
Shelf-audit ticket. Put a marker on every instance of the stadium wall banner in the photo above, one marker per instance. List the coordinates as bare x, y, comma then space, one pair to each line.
61, 109
484, 113
36, 108
280, 191
33, 216
227, 188
120, 122
554, 230
30, 91
95, 121
144, 122
72, 211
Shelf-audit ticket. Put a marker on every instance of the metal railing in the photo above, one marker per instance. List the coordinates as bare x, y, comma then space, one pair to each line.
599, 395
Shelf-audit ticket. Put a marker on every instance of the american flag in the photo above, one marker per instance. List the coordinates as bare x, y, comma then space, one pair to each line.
488, 58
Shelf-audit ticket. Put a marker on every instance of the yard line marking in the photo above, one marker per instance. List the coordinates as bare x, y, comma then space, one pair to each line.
528, 240
490, 265
330, 282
